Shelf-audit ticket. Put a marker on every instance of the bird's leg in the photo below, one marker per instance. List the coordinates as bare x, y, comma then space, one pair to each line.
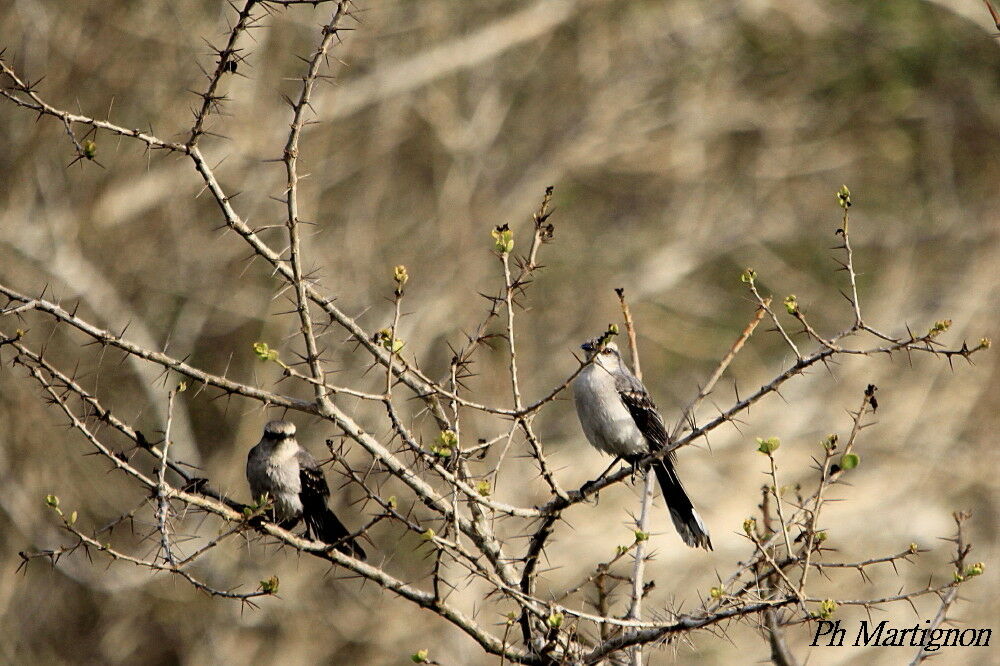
257, 522
633, 462
290, 523
589, 484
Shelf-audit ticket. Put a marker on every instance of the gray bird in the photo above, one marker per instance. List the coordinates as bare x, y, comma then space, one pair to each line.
294, 482
618, 417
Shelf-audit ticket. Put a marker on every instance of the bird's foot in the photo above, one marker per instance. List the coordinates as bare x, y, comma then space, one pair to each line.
588, 487
257, 522
633, 463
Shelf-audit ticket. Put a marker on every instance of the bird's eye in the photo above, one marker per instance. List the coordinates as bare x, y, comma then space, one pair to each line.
606, 351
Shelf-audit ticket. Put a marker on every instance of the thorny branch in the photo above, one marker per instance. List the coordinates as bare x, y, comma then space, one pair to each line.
949, 596
290, 158
642, 522
449, 503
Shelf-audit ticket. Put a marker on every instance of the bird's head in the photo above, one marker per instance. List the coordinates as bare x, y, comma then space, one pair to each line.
605, 355
279, 430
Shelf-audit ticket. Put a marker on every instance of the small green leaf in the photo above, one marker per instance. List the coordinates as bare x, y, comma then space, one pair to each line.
264, 352
89, 149
975, 569
607, 335
717, 592
52, 501
441, 451
556, 619
769, 445
827, 608
420, 656
750, 526
269, 586
939, 327
641, 536
748, 276
483, 488
385, 339
428, 535
448, 438
844, 197
849, 461
504, 238
72, 519
791, 304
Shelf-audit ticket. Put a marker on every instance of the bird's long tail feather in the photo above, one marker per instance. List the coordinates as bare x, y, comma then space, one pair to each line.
687, 521
324, 526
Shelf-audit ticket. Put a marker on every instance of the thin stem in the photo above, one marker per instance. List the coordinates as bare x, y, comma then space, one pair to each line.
765, 304
509, 302
397, 302
687, 416
849, 267
163, 503
290, 158
776, 489
639, 562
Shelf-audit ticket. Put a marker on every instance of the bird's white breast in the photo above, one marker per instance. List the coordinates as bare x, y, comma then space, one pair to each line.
605, 419
278, 477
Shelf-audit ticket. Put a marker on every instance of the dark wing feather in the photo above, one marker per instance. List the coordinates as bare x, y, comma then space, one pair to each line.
687, 521
314, 487
322, 523
642, 409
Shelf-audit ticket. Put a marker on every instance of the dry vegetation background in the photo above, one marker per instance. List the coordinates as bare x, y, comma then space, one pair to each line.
686, 140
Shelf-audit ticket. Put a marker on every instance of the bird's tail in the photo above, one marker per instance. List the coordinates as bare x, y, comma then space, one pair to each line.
682, 512
326, 527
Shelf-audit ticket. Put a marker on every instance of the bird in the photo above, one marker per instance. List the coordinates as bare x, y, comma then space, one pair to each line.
292, 479
618, 417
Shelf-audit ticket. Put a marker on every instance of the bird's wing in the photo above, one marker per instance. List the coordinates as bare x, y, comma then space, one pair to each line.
253, 476
314, 491
635, 397
321, 522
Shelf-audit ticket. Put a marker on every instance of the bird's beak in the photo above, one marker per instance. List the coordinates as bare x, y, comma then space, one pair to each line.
587, 346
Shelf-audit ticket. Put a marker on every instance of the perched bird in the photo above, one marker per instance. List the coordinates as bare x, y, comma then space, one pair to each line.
294, 482
619, 418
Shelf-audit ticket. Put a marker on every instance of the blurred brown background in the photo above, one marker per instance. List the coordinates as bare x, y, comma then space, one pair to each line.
686, 141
